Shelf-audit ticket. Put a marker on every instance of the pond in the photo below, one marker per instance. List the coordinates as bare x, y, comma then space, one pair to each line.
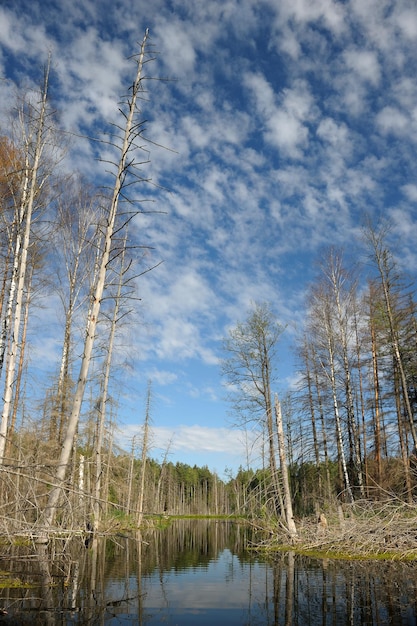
197, 573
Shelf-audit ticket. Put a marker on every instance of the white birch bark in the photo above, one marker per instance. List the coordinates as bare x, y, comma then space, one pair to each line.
144, 457
332, 377
289, 516
17, 244
385, 265
104, 396
336, 279
130, 133
33, 185
73, 226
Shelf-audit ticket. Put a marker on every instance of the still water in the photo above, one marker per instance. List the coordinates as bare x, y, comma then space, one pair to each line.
197, 573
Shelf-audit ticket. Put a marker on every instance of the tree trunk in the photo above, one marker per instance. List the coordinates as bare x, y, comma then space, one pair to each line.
288, 512
19, 368
385, 268
336, 276
27, 210
103, 400
377, 421
402, 436
130, 133
339, 435
144, 457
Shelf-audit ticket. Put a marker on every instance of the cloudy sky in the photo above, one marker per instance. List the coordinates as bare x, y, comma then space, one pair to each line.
284, 121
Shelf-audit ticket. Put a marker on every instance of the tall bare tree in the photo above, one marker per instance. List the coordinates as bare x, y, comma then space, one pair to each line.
250, 369
390, 283
145, 452
282, 450
76, 239
35, 134
12, 174
131, 133
104, 393
342, 292
321, 326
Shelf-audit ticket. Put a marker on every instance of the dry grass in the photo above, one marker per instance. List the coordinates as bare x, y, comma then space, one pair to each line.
362, 530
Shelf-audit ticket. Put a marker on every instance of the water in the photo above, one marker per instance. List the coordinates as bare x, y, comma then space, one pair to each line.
198, 573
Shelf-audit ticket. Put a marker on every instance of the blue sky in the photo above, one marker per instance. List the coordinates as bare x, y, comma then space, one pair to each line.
285, 122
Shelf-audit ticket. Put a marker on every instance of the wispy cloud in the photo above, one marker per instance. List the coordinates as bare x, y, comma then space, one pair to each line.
217, 447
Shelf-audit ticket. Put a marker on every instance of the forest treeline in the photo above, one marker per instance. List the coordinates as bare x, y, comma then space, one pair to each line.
71, 257
350, 432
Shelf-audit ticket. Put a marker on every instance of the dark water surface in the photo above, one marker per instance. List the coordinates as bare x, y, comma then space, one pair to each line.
198, 573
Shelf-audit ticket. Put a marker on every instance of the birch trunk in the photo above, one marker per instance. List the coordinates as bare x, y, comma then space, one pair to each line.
339, 435
344, 300
323, 424
377, 420
20, 367
145, 446
386, 266
328, 365
349, 396
27, 210
13, 253
130, 133
104, 396
288, 512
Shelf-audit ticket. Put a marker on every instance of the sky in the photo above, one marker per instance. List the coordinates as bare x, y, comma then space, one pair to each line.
281, 124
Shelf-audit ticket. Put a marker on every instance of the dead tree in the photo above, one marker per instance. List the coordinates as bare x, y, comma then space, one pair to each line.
132, 131
35, 138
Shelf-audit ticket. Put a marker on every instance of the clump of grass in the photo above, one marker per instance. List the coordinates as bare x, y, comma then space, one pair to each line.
367, 530
8, 581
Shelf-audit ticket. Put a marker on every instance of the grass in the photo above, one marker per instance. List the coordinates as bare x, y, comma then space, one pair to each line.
365, 531
8, 581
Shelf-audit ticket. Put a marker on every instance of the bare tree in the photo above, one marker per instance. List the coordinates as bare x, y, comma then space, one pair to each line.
342, 291
12, 175
288, 512
104, 393
249, 369
145, 452
321, 326
76, 240
35, 134
131, 133
390, 282
376, 385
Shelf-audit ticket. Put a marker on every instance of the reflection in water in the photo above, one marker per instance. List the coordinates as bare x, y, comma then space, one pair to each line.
198, 572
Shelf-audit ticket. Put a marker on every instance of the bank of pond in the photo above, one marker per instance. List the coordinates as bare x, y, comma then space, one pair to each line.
196, 571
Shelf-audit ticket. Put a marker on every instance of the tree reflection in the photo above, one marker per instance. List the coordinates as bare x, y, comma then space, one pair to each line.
200, 571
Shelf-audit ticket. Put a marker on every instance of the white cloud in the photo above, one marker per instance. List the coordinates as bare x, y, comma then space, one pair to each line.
371, 18
410, 192
180, 308
364, 64
337, 136
162, 377
330, 13
286, 132
392, 120
179, 54
198, 439
91, 73
284, 115
12, 29
406, 19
